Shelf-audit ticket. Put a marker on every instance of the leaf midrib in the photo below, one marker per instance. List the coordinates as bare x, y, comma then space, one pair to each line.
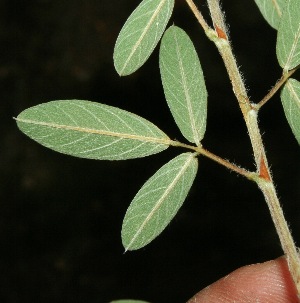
277, 8
161, 200
139, 41
294, 45
293, 93
186, 93
165, 141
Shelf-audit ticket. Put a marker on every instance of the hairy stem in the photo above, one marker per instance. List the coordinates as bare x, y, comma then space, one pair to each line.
249, 111
283, 231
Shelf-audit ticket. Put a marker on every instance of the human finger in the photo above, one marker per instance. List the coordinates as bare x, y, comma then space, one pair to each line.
268, 282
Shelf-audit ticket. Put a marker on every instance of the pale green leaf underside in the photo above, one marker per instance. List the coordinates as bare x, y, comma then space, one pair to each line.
158, 201
271, 10
183, 83
128, 301
140, 34
290, 98
288, 39
91, 130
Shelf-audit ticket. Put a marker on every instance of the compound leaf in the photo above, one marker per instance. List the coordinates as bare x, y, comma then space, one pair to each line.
271, 10
158, 201
140, 34
91, 130
183, 83
288, 38
290, 98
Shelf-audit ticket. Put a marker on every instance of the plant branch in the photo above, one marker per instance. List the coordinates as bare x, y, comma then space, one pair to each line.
249, 112
275, 88
284, 234
221, 40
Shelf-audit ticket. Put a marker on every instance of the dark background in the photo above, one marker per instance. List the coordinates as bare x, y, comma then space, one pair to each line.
60, 217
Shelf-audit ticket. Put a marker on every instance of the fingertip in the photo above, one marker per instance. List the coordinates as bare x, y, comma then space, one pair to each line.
268, 282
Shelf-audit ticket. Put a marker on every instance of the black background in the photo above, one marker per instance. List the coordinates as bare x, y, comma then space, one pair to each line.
60, 217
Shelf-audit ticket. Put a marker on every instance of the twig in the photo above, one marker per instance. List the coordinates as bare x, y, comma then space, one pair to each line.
198, 15
275, 88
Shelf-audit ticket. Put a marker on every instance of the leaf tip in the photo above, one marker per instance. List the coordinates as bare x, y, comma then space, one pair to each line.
122, 71
128, 246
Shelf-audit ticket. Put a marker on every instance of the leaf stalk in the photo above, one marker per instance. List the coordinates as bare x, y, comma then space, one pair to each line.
275, 88
201, 151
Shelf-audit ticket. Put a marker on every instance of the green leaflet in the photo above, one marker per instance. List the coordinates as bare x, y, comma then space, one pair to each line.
91, 130
128, 301
140, 34
271, 10
183, 83
158, 201
290, 98
288, 38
